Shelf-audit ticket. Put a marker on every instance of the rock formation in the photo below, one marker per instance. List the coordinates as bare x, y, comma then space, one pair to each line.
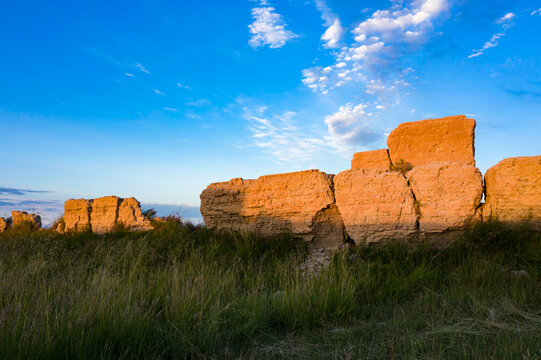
77, 215
513, 190
382, 196
449, 139
299, 202
20, 217
3, 224
376, 159
447, 195
375, 205
103, 214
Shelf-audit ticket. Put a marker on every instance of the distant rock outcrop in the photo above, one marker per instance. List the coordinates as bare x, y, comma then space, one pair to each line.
425, 187
449, 139
513, 190
299, 203
103, 214
21, 217
3, 224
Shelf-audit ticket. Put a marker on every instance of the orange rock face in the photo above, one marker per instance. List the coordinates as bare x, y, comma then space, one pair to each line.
77, 214
299, 202
3, 224
448, 195
19, 217
449, 139
513, 190
375, 205
376, 159
103, 214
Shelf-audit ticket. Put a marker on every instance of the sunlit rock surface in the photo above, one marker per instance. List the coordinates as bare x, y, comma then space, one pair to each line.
447, 195
449, 139
298, 203
20, 217
376, 159
103, 214
513, 190
375, 205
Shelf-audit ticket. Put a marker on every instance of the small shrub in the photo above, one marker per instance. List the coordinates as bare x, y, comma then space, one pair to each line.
149, 214
401, 166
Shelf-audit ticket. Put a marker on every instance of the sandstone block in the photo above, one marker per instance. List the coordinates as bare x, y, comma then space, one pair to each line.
3, 224
104, 214
376, 159
298, 202
449, 139
77, 214
101, 215
375, 205
20, 217
513, 190
448, 195
129, 214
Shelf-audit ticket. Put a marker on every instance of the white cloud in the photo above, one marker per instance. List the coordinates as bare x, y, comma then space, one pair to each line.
170, 109
350, 125
379, 41
507, 22
142, 69
158, 92
333, 34
538, 11
335, 31
129, 74
268, 27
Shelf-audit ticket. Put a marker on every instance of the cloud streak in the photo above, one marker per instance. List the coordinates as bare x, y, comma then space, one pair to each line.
506, 22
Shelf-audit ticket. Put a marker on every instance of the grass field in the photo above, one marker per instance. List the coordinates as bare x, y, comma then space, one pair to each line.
182, 292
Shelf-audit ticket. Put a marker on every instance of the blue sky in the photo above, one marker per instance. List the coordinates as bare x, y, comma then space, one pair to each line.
157, 99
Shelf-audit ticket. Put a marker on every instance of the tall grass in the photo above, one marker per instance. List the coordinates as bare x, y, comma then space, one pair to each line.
183, 291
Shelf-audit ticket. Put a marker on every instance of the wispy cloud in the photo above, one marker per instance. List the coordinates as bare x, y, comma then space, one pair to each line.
158, 92
142, 69
199, 103
268, 28
280, 137
182, 86
335, 31
129, 74
506, 22
538, 12
20, 192
170, 109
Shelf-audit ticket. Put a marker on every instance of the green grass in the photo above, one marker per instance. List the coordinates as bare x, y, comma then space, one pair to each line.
184, 292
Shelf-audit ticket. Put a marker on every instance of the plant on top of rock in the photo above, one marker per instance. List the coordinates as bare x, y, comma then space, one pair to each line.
401, 166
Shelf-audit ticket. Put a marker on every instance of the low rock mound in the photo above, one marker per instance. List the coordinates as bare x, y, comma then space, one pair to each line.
21, 217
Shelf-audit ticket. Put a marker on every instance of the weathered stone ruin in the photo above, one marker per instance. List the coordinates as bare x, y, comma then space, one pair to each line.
103, 214
3, 224
300, 202
21, 217
513, 190
438, 198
